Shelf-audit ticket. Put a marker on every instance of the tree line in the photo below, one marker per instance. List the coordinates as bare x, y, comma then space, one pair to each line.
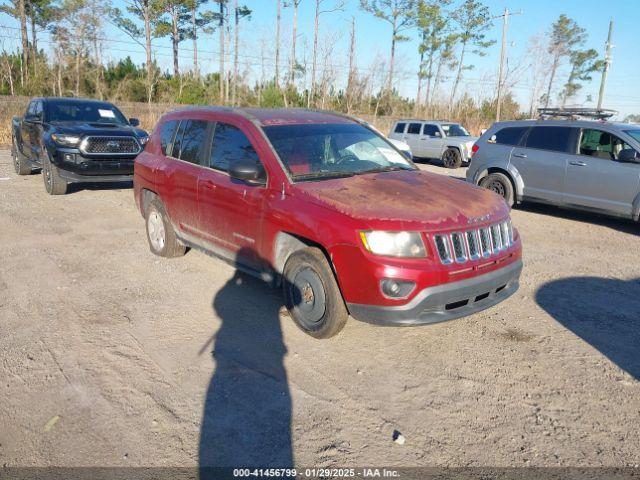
452, 35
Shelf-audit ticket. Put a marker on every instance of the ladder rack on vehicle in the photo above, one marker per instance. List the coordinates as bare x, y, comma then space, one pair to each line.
576, 112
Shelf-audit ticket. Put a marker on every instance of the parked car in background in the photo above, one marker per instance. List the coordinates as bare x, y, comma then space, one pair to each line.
399, 144
583, 164
447, 141
75, 140
331, 210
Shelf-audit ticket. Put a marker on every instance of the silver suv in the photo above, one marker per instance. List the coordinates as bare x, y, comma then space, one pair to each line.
430, 139
584, 164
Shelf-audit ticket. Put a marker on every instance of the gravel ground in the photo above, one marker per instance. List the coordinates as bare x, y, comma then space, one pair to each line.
110, 355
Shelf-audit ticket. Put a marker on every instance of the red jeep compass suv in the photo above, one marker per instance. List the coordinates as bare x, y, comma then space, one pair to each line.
330, 209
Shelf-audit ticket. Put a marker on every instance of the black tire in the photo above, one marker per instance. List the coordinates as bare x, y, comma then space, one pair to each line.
451, 158
20, 163
500, 184
159, 227
312, 295
54, 184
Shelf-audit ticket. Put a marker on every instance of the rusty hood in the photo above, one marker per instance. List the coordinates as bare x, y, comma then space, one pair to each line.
407, 199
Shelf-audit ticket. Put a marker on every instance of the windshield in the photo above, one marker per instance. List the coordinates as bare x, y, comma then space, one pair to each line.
454, 130
634, 133
84, 112
335, 150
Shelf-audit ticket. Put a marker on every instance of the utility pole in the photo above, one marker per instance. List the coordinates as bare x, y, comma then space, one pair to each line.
503, 55
607, 64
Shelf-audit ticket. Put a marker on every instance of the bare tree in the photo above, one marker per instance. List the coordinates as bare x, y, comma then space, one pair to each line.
294, 37
337, 5
239, 12
278, 20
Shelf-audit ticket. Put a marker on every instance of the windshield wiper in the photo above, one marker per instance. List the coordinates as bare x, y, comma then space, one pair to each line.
323, 175
388, 168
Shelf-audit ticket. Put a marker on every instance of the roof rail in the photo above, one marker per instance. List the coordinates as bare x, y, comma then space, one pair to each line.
576, 112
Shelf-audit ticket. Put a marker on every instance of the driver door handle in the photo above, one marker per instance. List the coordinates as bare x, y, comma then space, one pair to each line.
578, 164
208, 184
520, 155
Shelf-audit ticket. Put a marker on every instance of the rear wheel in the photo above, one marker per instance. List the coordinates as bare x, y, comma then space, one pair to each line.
312, 295
20, 162
451, 158
54, 184
499, 183
160, 234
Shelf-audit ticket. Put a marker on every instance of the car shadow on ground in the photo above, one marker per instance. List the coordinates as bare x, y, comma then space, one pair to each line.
620, 224
78, 187
604, 312
247, 413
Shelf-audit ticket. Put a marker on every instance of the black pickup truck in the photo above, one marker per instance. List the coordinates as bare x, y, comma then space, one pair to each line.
75, 140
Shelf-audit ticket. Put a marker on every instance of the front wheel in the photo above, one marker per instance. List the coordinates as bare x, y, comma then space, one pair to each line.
451, 158
312, 295
54, 184
499, 183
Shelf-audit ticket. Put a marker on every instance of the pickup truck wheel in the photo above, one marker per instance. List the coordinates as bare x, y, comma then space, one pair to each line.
499, 183
20, 163
312, 295
54, 184
451, 158
160, 234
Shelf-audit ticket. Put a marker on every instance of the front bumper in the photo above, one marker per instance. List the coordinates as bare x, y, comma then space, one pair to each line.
74, 167
447, 301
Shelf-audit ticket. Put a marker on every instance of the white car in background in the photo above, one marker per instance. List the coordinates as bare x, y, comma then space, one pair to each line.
399, 144
434, 139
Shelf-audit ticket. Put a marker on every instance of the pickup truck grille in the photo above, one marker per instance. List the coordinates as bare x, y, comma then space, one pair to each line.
474, 244
110, 146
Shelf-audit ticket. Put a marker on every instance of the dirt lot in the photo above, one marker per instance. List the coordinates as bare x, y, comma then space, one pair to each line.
111, 356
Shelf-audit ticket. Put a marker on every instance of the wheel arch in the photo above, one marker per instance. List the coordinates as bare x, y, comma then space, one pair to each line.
287, 243
146, 197
511, 173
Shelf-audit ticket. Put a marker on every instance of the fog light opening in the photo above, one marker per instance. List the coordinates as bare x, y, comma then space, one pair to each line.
393, 288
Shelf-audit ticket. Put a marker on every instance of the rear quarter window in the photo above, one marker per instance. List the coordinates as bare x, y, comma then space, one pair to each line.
167, 133
509, 135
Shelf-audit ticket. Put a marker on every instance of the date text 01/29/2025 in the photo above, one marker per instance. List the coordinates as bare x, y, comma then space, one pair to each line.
316, 473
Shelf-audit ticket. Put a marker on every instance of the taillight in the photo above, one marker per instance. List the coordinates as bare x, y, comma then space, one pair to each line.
474, 149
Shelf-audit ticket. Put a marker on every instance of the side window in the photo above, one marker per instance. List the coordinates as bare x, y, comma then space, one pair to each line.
414, 128
400, 127
167, 132
193, 141
229, 143
509, 135
556, 139
601, 144
31, 109
38, 109
177, 142
430, 130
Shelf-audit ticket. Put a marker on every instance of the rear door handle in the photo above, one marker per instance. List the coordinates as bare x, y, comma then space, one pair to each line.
209, 184
578, 164
520, 155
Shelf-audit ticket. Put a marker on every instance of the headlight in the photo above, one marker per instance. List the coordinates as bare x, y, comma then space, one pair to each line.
144, 140
394, 244
65, 140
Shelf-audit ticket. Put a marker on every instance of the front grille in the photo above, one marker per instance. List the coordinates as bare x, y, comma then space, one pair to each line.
110, 146
474, 244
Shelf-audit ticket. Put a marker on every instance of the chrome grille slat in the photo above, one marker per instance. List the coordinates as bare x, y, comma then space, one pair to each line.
474, 244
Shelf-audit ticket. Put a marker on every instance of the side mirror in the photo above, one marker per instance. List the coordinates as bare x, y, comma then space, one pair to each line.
249, 171
134, 122
437, 135
628, 155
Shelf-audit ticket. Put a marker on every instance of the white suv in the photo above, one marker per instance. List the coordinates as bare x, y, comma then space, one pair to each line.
429, 139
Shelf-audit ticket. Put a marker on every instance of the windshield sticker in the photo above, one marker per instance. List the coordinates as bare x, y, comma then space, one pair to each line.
106, 113
392, 156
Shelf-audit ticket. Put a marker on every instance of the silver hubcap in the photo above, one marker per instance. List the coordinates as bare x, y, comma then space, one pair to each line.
156, 230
